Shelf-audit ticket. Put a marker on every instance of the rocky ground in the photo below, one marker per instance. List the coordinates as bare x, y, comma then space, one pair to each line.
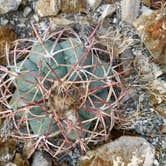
140, 46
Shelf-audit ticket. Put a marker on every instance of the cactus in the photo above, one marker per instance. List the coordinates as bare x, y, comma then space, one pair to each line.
57, 88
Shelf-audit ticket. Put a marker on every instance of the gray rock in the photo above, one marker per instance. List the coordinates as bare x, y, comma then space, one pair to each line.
130, 10
27, 11
129, 151
9, 5
35, 18
3, 21
94, 3
41, 159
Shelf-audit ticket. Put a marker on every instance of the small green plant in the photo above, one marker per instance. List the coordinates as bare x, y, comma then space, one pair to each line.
58, 92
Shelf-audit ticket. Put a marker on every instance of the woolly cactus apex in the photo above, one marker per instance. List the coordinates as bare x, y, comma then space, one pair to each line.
59, 89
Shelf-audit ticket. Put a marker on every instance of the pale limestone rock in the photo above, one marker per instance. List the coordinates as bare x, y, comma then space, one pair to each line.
159, 85
41, 159
27, 11
152, 30
9, 5
52, 7
130, 10
127, 151
48, 7
94, 3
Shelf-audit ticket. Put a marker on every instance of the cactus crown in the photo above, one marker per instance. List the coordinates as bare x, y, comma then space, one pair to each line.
59, 92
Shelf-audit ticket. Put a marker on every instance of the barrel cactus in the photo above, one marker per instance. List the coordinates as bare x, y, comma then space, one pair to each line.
59, 92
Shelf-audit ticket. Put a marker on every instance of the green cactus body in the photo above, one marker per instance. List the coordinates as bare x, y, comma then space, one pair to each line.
60, 89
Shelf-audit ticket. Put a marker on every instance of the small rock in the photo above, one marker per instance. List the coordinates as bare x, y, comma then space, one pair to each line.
159, 85
59, 21
94, 3
129, 10
164, 127
73, 6
47, 7
153, 34
52, 7
9, 5
35, 18
42, 159
7, 150
146, 11
3, 21
27, 11
20, 160
129, 151
148, 69
21, 25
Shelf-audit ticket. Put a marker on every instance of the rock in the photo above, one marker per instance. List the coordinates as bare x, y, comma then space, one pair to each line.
153, 34
130, 10
7, 150
42, 159
9, 5
73, 6
48, 7
127, 150
3, 21
159, 85
35, 18
149, 70
146, 11
94, 3
27, 11
163, 130
146, 2
157, 91
153, 71
52, 7
20, 160
59, 21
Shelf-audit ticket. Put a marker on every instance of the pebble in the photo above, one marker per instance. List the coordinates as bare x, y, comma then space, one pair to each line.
3, 21
47, 8
130, 10
9, 5
42, 159
154, 34
94, 3
7, 150
127, 150
35, 18
27, 11
21, 25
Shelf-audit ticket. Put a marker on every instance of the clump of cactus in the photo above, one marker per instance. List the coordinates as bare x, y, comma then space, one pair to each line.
58, 92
